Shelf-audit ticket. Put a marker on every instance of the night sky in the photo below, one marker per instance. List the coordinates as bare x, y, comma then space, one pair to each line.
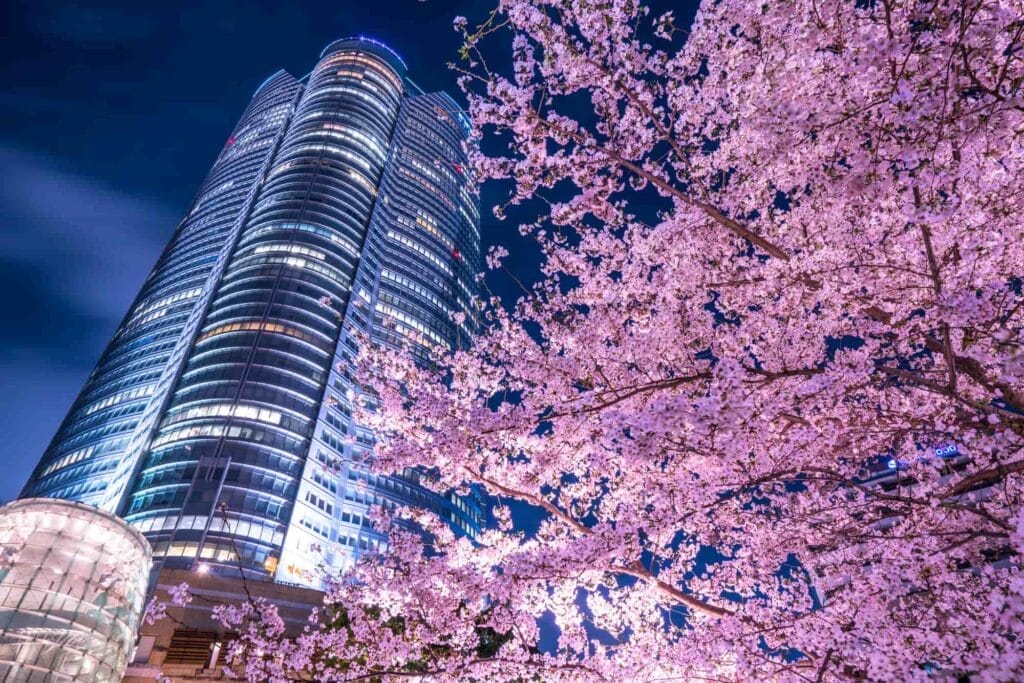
110, 116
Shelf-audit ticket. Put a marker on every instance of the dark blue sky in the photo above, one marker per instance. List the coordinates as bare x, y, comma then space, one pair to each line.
110, 115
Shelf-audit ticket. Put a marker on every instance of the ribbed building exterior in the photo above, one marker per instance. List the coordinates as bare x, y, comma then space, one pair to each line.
218, 421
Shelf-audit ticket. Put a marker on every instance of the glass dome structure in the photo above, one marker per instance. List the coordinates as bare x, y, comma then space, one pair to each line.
72, 586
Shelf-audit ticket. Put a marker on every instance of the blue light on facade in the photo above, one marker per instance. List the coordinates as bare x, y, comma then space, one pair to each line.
219, 419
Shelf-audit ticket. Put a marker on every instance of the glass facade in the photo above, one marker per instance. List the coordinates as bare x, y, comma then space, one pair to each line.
218, 421
72, 584
96, 447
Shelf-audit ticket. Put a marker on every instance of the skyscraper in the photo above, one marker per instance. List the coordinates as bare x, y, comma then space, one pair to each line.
218, 421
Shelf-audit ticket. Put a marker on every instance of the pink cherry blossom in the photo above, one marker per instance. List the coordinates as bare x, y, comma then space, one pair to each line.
767, 394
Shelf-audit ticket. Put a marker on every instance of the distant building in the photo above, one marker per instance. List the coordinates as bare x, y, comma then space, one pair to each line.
72, 586
218, 421
888, 476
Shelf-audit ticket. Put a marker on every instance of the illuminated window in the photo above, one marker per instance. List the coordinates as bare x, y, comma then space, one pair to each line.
254, 325
247, 412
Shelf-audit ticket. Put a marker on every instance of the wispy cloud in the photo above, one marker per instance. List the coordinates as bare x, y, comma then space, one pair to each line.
73, 252
91, 245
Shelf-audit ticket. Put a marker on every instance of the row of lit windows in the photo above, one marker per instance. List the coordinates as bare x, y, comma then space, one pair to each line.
261, 326
238, 150
214, 193
328, 271
183, 549
99, 433
281, 168
85, 471
438, 322
274, 352
81, 491
363, 81
425, 224
115, 379
337, 129
86, 422
377, 127
227, 410
391, 314
362, 180
277, 112
330, 234
77, 473
355, 146
255, 530
278, 248
427, 170
158, 288
425, 131
419, 249
242, 171
342, 212
432, 189
378, 102
69, 459
371, 63
170, 522
324, 148
121, 396
409, 199
426, 273
187, 251
281, 381
190, 263
253, 456
142, 347
251, 130
420, 290
155, 315
163, 304
221, 430
295, 302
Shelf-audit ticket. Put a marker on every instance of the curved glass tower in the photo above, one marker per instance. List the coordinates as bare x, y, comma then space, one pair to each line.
218, 420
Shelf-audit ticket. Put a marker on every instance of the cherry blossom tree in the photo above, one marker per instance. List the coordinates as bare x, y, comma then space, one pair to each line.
783, 251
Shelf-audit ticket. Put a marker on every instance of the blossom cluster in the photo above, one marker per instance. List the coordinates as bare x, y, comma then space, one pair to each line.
767, 394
